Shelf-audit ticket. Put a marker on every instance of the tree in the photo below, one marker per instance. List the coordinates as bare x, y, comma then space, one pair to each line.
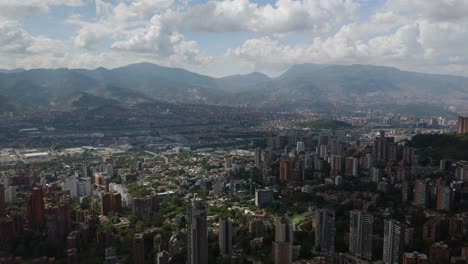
140, 226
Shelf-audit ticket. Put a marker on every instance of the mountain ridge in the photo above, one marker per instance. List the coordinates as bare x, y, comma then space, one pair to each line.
303, 86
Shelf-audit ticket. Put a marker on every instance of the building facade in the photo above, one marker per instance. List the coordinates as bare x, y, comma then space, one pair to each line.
325, 230
360, 234
462, 125
282, 246
197, 233
225, 236
394, 241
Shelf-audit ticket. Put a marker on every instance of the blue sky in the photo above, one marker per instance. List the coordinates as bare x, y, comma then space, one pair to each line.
226, 37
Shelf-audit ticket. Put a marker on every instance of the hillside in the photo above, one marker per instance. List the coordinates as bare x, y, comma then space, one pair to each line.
10, 105
238, 83
364, 86
314, 87
442, 146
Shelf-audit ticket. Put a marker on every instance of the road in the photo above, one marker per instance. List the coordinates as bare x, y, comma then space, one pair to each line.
166, 160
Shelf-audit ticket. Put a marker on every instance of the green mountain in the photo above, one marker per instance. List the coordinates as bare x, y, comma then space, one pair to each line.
315, 87
11, 105
236, 83
345, 86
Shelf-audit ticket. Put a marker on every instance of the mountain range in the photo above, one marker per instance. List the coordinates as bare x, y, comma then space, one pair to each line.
318, 87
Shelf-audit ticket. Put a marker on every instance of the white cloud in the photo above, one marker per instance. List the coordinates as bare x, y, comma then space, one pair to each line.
91, 34
388, 17
155, 39
158, 41
16, 9
435, 10
115, 20
346, 46
15, 40
285, 16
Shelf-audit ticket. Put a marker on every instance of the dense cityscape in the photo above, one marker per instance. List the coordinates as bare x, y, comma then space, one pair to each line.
304, 188
233, 132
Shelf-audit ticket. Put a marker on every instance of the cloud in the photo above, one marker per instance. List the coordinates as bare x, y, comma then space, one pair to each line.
346, 46
15, 40
115, 20
388, 17
285, 16
158, 41
89, 35
141, 9
437, 10
17, 9
155, 39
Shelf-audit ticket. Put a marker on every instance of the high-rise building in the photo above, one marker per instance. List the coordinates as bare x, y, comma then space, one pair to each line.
110, 202
263, 197
35, 210
404, 191
159, 244
258, 157
84, 169
78, 187
462, 125
394, 241
323, 151
197, 233
375, 174
384, 149
409, 235
379, 150
227, 162
421, 193
351, 166
73, 239
58, 221
444, 197
257, 227
225, 236
439, 253
337, 165
7, 230
414, 258
162, 257
110, 256
282, 246
464, 253
337, 148
138, 250
267, 156
145, 205
325, 230
72, 256
300, 147
285, 169
360, 234
2, 202
322, 140
435, 229
10, 194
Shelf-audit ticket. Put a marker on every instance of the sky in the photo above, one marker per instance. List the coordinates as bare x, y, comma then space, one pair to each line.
226, 37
